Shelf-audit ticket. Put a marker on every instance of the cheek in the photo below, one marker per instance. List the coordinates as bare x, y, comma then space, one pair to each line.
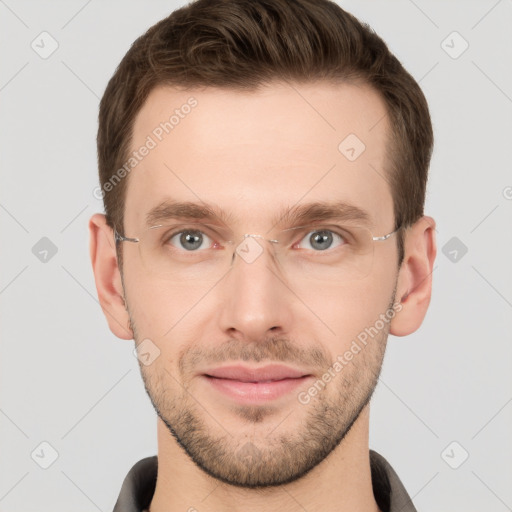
157, 308
349, 310
171, 318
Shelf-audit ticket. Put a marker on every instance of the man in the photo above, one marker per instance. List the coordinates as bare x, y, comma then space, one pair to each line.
263, 165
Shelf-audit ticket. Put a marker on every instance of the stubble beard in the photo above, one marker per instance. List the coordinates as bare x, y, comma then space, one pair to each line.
247, 458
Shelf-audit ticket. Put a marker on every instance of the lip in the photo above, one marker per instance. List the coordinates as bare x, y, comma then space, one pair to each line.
253, 385
265, 373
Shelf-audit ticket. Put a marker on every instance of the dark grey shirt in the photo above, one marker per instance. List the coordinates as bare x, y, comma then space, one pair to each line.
139, 486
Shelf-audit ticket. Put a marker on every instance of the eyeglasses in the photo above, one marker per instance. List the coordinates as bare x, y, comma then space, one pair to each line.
322, 254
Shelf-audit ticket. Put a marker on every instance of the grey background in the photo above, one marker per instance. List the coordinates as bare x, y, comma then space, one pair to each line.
66, 380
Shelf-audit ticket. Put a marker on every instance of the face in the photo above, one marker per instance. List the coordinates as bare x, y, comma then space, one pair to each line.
242, 375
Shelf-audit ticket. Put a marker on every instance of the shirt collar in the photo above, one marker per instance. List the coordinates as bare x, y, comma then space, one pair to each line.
139, 486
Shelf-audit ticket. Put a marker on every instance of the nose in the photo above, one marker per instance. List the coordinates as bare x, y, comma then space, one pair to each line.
256, 299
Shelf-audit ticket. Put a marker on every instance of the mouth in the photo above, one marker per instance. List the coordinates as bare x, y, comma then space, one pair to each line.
253, 385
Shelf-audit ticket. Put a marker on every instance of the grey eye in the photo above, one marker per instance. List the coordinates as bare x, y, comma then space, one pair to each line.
190, 240
320, 240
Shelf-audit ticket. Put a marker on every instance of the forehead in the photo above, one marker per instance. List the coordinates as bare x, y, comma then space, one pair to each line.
253, 153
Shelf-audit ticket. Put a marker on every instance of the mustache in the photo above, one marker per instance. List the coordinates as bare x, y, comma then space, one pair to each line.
275, 349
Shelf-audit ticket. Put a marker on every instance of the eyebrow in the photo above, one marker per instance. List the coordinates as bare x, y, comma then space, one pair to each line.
170, 209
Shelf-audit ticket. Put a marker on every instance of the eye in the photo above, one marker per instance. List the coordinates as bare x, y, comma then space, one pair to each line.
190, 240
321, 240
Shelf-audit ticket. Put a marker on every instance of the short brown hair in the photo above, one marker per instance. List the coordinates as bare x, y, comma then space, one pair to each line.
243, 44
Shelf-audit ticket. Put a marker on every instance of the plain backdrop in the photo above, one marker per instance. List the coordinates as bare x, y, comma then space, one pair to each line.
442, 413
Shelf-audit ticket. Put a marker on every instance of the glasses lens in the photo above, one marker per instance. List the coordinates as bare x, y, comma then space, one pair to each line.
325, 255
184, 253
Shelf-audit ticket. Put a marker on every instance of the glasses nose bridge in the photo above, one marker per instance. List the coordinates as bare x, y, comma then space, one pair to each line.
251, 247
261, 237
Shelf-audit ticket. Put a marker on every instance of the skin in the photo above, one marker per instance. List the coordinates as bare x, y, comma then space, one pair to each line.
252, 154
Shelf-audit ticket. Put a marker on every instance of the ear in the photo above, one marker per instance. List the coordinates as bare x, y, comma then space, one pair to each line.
109, 285
414, 287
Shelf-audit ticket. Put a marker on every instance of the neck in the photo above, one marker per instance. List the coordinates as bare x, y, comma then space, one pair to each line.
341, 482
